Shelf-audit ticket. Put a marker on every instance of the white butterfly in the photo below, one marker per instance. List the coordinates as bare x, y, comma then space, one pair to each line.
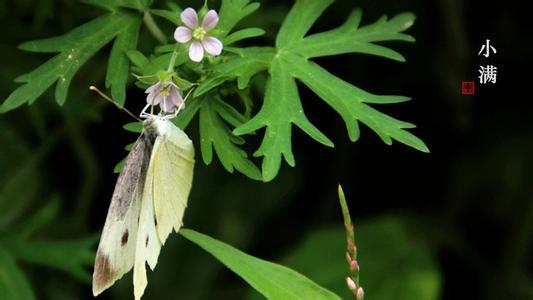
149, 200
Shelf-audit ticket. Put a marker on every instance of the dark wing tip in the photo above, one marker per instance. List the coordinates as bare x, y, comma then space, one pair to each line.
104, 276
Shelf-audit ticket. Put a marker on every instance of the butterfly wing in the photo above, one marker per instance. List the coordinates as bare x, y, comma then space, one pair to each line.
173, 173
148, 244
166, 190
116, 251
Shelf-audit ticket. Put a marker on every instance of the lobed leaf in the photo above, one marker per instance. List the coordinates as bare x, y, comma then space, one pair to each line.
74, 48
214, 133
290, 60
272, 280
348, 38
280, 109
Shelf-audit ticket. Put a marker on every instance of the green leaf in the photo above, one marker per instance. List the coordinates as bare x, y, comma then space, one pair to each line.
290, 60
243, 34
135, 127
137, 58
272, 280
299, 20
214, 133
348, 38
232, 11
71, 256
74, 48
395, 264
118, 167
168, 15
281, 100
13, 283
119, 64
349, 102
249, 62
114, 5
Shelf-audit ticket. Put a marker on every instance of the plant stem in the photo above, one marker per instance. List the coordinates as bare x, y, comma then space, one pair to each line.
153, 28
172, 61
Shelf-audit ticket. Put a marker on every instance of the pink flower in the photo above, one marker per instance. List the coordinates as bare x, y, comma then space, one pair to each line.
166, 94
198, 34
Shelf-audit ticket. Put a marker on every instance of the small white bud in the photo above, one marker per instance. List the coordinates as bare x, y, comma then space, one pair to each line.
350, 283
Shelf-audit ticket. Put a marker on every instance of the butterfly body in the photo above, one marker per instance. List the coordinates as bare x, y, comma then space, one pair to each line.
148, 202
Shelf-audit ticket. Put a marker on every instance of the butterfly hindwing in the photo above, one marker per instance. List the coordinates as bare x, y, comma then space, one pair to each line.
148, 244
173, 173
116, 250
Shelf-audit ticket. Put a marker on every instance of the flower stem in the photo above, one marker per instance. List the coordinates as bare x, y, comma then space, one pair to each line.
172, 61
153, 28
351, 250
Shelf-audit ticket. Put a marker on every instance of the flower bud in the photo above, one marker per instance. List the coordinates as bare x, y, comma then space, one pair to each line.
354, 266
350, 283
348, 258
351, 247
360, 293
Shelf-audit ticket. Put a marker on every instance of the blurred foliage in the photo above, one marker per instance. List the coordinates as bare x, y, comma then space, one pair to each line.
458, 222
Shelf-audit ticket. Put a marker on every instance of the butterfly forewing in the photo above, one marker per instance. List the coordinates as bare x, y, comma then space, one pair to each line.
116, 251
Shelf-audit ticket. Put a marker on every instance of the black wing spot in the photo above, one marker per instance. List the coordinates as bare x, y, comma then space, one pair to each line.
147, 239
155, 220
124, 239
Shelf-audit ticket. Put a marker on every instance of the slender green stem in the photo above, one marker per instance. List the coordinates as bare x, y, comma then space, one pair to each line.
154, 28
351, 253
344, 207
172, 61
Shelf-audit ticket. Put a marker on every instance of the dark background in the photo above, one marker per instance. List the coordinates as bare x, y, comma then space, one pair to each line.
467, 206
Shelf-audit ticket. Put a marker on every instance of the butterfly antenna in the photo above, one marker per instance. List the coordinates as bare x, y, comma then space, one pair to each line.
107, 98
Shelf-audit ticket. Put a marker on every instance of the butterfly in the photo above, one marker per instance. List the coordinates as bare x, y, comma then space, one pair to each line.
148, 202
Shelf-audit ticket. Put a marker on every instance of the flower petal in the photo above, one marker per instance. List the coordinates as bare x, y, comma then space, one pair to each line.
196, 51
153, 88
182, 34
189, 18
153, 99
212, 45
175, 97
167, 105
210, 20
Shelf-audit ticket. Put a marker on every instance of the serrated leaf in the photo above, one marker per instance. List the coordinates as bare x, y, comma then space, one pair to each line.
280, 110
119, 64
74, 48
272, 280
348, 101
348, 38
13, 283
282, 106
214, 133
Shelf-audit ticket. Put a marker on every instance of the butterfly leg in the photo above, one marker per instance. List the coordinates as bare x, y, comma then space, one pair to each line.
144, 114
